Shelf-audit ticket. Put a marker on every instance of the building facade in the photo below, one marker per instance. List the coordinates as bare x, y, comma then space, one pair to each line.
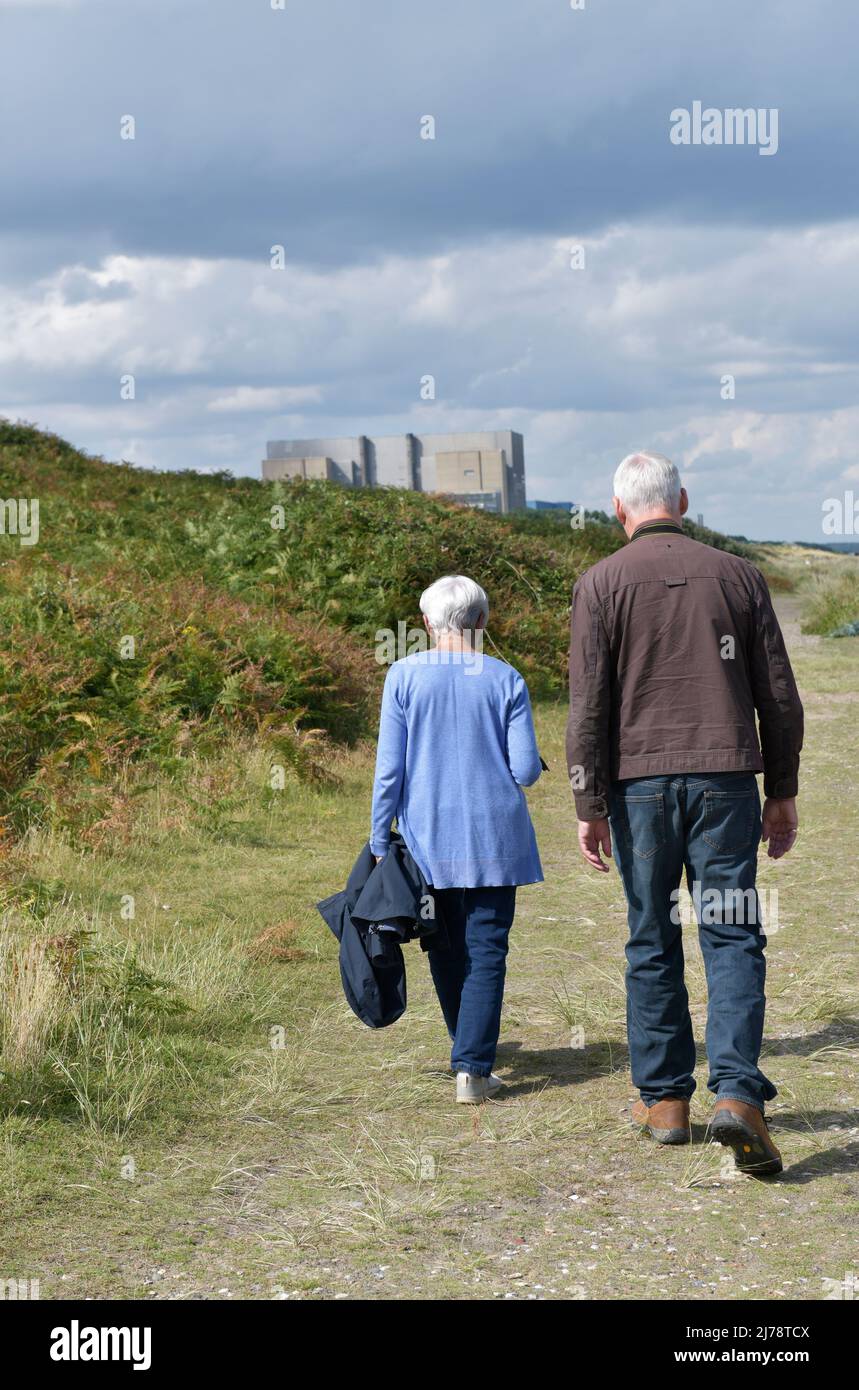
484, 468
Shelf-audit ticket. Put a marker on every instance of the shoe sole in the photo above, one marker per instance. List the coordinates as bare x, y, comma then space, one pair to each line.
750, 1153
669, 1136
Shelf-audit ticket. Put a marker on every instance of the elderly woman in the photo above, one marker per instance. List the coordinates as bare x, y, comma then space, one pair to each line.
456, 747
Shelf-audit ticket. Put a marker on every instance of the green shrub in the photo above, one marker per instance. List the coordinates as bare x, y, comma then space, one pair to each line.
833, 603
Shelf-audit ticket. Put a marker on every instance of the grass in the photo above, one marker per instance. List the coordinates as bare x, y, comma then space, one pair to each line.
834, 601
188, 1108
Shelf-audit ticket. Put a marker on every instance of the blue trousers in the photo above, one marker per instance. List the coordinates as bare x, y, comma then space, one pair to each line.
469, 974
710, 825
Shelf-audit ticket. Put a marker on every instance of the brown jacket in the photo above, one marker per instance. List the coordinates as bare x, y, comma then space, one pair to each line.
673, 647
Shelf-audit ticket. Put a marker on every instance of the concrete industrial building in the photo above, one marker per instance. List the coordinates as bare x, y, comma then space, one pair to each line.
483, 468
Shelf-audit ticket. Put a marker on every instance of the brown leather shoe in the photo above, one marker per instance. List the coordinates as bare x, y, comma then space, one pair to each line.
667, 1121
742, 1127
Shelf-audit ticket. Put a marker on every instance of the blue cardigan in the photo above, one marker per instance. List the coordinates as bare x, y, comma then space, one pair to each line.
456, 747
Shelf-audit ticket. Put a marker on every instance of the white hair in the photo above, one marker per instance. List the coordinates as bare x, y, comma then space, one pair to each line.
454, 604
646, 482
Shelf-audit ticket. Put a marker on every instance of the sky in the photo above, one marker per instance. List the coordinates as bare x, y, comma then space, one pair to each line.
300, 126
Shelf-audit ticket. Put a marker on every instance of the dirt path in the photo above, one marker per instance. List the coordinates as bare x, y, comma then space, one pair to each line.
789, 609
391, 1191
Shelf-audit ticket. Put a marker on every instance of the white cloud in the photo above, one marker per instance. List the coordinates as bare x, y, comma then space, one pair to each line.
267, 398
587, 363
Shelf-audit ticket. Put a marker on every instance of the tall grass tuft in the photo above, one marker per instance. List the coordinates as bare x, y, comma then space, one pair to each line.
31, 1001
82, 1019
833, 602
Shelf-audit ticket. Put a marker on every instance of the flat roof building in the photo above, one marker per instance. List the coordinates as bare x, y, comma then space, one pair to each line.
483, 468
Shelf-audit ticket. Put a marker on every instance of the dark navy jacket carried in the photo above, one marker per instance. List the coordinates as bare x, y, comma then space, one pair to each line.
381, 906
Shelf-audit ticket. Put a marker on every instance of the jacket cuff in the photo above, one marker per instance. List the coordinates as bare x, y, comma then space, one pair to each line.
590, 807
782, 788
379, 847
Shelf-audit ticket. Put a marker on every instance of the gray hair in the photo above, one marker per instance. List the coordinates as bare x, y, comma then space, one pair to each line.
454, 604
646, 482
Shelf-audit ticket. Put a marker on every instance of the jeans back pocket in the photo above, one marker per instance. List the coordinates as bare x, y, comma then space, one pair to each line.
640, 822
729, 819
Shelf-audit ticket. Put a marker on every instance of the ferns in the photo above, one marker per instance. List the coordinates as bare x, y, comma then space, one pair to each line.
163, 613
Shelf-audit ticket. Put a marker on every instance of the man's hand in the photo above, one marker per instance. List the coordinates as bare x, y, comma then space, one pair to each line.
594, 835
780, 824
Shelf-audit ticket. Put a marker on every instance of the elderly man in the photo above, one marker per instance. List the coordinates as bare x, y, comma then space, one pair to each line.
674, 647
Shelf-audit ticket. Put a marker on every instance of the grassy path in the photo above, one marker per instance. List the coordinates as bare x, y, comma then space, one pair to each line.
336, 1165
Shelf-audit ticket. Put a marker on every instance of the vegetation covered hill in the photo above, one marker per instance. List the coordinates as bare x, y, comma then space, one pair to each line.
161, 614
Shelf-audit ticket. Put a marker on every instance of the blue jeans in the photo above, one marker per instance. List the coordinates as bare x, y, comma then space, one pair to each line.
708, 824
469, 974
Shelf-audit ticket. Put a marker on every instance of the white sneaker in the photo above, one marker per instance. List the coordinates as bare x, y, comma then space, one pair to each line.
473, 1090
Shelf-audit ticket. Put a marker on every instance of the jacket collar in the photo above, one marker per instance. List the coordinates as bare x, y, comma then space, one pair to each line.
648, 528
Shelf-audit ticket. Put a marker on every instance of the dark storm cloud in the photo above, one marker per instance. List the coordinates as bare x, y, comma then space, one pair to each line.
257, 126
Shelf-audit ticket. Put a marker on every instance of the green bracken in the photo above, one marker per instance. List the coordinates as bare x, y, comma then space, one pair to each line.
160, 613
